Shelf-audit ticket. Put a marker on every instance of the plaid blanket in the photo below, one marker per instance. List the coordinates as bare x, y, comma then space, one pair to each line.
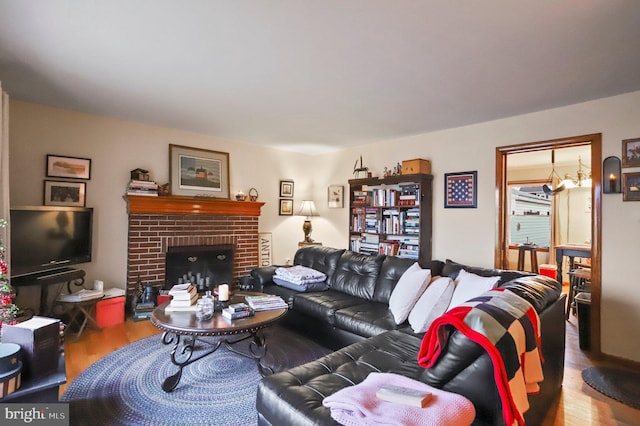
508, 328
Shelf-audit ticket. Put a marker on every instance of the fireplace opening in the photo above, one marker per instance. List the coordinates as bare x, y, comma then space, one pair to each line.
205, 267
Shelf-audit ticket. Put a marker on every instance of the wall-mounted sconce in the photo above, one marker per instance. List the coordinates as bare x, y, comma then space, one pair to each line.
611, 175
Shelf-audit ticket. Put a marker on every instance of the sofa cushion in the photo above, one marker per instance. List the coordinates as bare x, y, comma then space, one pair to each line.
433, 303
451, 269
320, 258
356, 274
470, 285
368, 319
392, 269
407, 292
323, 305
295, 396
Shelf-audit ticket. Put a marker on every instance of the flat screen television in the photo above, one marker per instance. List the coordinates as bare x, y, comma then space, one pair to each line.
49, 238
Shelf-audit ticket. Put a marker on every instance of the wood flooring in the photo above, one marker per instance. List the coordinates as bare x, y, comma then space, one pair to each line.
578, 405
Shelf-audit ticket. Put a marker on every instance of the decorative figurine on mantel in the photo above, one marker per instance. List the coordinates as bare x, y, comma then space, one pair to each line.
140, 174
357, 170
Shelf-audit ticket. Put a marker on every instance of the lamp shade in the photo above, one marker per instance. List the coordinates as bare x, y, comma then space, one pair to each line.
308, 208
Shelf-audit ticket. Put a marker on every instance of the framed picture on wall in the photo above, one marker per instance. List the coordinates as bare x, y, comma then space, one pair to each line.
68, 167
198, 172
631, 152
631, 186
62, 193
286, 207
286, 188
335, 196
461, 190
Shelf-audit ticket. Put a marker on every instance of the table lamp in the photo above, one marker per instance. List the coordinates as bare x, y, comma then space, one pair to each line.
308, 209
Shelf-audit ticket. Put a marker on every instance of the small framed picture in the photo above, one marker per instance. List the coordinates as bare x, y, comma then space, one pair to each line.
631, 152
60, 193
461, 190
631, 186
286, 188
286, 207
335, 196
68, 167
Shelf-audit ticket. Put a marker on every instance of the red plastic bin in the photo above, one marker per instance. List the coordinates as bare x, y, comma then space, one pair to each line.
548, 270
110, 311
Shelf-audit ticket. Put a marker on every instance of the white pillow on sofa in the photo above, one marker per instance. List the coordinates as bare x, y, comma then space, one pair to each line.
407, 291
470, 285
433, 303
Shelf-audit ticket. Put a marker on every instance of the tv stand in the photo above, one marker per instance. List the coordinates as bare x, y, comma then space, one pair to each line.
45, 279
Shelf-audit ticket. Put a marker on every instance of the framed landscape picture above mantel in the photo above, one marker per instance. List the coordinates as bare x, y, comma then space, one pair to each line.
198, 172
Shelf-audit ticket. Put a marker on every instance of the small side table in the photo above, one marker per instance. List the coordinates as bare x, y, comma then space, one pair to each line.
82, 314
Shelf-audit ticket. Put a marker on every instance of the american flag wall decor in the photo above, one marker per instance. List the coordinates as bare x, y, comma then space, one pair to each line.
461, 189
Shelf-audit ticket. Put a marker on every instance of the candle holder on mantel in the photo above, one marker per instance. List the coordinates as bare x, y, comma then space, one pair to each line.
611, 176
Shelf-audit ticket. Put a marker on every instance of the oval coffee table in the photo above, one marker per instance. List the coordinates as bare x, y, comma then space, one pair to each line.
183, 329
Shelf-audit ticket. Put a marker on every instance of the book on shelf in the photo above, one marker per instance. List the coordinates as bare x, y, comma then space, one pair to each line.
265, 303
404, 395
232, 315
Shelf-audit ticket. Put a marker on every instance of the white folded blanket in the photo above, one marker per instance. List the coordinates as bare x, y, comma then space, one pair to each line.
358, 405
300, 274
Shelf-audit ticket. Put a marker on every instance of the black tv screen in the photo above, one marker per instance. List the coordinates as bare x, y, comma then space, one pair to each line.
49, 238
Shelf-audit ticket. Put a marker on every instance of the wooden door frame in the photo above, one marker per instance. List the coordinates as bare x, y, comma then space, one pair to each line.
501, 251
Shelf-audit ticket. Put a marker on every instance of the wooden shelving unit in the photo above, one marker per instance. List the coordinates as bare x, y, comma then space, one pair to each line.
392, 215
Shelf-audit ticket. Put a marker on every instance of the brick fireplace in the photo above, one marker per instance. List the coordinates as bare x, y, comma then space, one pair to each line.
157, 223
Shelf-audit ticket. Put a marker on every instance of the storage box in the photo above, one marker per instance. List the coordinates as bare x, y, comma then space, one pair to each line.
548, 270
110, 311
39, 339
418, 165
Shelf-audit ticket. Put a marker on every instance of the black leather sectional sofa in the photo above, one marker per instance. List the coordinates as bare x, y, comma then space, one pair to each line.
353, 318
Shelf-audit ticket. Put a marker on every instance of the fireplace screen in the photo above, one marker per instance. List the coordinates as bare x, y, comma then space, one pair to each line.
203, 266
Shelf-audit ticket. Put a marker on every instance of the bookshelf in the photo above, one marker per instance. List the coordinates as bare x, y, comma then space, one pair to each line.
391, 215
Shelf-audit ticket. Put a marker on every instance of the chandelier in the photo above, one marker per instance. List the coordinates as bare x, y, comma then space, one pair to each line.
582, 178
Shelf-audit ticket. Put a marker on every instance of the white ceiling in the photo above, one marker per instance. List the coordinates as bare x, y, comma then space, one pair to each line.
313, 76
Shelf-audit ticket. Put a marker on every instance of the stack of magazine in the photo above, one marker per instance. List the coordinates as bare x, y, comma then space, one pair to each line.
266, 302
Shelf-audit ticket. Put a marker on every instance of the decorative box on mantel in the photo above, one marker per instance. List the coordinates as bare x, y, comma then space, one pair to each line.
158, 223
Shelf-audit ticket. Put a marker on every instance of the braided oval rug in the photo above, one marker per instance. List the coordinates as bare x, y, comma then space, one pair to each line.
124, 388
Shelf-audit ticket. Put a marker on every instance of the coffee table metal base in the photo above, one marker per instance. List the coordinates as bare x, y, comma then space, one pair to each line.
183, 347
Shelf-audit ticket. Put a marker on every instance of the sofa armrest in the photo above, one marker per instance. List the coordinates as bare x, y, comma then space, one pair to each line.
263, 276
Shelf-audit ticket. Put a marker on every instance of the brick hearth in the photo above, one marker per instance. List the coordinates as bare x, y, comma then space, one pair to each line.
156, 223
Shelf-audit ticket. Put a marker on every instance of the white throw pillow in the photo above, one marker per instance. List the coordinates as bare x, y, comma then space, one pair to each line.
407, 291
470, 285
433, 303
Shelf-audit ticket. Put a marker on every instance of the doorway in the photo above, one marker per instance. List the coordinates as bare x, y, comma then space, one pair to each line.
594, 142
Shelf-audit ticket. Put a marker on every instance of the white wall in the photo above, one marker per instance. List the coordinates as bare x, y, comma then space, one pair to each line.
468, 235
465, 235
115, 147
